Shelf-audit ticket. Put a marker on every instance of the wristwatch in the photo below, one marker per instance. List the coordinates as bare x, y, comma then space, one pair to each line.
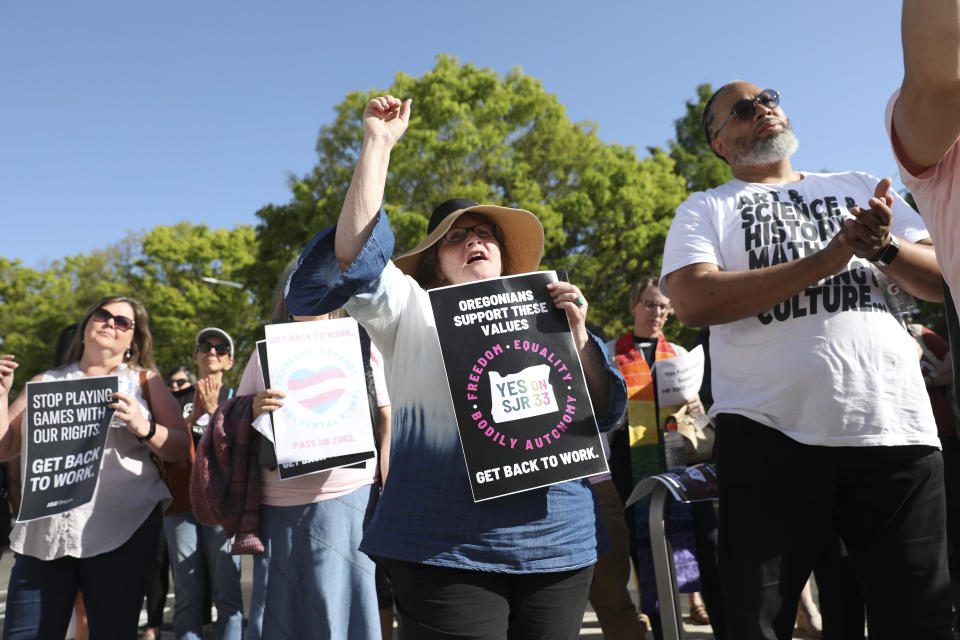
150, 433
887, 255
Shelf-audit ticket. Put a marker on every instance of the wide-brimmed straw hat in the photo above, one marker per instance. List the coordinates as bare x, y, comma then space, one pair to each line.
521, 231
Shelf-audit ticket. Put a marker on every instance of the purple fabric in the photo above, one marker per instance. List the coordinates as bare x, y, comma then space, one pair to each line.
225, 483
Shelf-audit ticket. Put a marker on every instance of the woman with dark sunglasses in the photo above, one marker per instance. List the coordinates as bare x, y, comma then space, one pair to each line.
180, 378
105, 547
519, 566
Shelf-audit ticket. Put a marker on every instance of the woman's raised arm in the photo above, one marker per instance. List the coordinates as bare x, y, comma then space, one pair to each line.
384, 120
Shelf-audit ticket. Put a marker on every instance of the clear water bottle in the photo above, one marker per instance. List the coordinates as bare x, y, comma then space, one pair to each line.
673, 450
900, 303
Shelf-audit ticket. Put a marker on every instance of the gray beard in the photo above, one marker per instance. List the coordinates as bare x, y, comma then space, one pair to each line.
758, 151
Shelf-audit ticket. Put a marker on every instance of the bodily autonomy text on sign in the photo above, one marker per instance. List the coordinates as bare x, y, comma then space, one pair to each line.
518, 388
65, 429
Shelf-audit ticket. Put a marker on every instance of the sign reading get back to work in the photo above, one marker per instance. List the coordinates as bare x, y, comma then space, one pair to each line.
518, 390
65, 427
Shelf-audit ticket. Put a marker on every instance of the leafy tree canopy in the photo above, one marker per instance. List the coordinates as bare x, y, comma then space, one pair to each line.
162, 268
495, 139
700, 167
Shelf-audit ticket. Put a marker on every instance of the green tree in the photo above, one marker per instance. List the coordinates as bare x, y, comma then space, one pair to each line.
496, 139
163, 268
35, 306
700, 167
167, 273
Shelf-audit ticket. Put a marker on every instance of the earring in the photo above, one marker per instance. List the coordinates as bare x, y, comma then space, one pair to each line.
127, 354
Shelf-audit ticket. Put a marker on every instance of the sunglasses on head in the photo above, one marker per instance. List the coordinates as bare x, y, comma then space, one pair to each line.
122, 323
456, 235
221, 349
178, 382
746, 108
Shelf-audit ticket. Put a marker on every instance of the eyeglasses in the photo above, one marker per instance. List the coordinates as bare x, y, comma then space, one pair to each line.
122, 323
455, 235
745, 108
178, 382
650, 305
221, 349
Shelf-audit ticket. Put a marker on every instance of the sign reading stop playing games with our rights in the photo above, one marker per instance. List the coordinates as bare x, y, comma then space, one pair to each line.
65, 427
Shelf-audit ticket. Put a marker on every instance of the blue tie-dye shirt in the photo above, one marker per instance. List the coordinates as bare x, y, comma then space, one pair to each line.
426, 513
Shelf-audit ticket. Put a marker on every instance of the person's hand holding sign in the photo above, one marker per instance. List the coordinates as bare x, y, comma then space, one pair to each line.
266, 401
569, 298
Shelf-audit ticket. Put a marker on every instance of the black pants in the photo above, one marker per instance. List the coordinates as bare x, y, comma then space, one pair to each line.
437, 603
779, 503
158, 585
41, 593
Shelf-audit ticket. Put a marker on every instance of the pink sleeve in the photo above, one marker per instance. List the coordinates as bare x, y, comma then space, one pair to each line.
252, 380
379, 381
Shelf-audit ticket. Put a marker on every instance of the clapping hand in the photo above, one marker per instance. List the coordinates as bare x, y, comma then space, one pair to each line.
207, 396
869, 232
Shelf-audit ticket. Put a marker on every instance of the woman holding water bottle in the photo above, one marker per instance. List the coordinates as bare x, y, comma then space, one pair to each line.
104, 547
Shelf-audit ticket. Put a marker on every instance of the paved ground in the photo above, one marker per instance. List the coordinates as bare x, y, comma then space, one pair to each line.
589, 631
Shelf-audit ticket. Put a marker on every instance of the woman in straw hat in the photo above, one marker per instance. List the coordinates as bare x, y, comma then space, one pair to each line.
519, 566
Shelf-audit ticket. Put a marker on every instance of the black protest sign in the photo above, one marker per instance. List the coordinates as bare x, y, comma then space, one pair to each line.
518, 389
65, 427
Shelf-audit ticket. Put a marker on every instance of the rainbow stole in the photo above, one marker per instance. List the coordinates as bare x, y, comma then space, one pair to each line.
641, 408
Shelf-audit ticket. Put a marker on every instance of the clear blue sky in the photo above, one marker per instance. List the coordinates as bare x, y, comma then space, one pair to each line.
119, 115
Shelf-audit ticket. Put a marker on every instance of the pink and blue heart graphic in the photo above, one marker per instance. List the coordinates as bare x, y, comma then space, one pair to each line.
317, 390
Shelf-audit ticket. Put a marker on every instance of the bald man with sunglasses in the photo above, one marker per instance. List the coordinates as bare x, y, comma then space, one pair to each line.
823, 423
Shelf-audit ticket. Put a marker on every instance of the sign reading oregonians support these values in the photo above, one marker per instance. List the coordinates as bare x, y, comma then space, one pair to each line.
518, 389
65, 429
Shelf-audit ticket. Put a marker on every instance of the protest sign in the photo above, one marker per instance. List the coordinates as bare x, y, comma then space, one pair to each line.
325, 413
268, 454
65, 427
518, 388
679, 378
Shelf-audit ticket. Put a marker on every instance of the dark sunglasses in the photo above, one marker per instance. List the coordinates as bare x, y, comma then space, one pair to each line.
122, 323
746, 108
178, 382
456, 235
221, 349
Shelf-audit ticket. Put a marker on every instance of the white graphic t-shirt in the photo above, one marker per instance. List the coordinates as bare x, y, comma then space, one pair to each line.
829, 366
